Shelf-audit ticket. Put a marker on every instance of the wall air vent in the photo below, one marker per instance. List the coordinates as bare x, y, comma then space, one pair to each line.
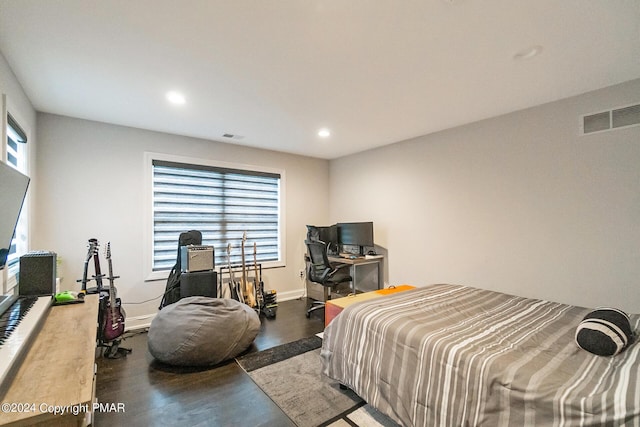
616, 118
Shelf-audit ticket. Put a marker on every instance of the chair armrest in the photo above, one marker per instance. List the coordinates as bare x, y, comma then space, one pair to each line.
339, 269
335, 266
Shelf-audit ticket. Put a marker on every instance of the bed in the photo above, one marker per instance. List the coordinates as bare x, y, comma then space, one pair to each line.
450, 355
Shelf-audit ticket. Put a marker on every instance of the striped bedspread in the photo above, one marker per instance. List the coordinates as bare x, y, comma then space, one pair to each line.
448, 355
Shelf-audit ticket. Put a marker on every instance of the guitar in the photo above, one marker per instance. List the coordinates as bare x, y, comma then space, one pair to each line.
113, 325
247, 287
84, 279
257, 282
234, 287
96, 263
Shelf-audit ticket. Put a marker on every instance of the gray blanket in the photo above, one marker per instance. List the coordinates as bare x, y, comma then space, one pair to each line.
448, 355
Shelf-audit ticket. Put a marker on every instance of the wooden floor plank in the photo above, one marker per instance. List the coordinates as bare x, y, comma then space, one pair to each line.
157, 394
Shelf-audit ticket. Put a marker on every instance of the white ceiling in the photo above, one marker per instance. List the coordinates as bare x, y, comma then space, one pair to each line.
275, 71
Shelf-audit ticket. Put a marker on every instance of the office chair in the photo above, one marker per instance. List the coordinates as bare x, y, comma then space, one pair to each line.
323, 272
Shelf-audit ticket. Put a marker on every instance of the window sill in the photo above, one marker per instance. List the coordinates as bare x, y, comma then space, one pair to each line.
163, 275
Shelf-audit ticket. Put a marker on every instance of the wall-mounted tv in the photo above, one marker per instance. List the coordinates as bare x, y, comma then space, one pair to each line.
13, 189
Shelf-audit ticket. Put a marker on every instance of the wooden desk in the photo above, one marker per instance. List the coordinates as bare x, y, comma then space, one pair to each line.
359, 262
333, 307
58, 370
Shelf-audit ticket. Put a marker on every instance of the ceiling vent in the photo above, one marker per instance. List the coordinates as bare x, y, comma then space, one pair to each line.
609, 120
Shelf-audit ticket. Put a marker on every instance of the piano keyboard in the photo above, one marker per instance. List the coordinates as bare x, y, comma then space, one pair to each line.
18, 326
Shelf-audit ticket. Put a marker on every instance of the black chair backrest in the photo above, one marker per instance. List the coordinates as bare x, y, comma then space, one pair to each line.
313, 233
319, 268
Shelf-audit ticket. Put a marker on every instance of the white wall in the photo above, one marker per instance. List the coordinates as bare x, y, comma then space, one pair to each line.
17, 101
518, 203
14, 100
91, 184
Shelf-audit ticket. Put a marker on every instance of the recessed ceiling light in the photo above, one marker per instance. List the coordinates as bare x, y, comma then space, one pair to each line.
528, 53
176, 97
324, 133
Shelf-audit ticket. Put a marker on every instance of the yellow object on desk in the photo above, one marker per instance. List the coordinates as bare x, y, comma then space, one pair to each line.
335, 306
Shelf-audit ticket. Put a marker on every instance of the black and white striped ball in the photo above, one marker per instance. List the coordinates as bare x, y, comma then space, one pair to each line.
605, 332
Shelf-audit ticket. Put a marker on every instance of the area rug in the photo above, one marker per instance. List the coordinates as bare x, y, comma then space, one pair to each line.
361, 416
253, 361
291, 376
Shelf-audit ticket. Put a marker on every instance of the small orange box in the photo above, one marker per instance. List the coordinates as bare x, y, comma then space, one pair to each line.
333, 307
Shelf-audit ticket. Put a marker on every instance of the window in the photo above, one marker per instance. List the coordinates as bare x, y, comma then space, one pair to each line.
17, 158
222, 201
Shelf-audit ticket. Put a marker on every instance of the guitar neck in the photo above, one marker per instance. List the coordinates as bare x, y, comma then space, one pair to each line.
112, 291
84, 275
244, 266
111, 279
255, 262
231, 273
96, 263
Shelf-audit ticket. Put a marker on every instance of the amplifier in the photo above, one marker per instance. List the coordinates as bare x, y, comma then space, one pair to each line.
196, 258
200, 283
37, 275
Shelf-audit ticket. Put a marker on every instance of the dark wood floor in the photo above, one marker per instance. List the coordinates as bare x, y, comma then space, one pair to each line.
154, 394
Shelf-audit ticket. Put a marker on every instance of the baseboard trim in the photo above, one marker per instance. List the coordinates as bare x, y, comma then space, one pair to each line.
289, 295
136, 323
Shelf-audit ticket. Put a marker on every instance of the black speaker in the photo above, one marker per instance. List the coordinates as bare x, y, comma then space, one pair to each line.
199, 283
37, 274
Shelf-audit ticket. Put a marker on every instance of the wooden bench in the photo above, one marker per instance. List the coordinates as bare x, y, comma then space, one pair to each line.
333, 307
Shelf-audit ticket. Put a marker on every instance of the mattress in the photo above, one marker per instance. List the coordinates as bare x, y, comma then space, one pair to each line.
450, 355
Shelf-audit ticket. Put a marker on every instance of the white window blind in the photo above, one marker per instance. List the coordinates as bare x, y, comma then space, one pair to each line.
222, 203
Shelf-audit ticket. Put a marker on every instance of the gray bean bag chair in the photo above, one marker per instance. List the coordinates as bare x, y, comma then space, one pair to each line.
200, 331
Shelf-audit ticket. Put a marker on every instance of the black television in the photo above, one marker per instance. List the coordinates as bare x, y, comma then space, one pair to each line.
13, 189
356, 234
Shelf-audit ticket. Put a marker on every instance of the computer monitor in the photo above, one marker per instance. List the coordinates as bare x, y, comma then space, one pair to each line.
356, 234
